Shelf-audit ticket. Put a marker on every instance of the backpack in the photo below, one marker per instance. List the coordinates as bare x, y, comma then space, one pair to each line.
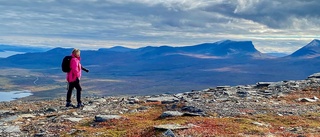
65, 65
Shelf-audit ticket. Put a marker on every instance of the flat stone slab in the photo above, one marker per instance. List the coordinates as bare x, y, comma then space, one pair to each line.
74, 119
307, 100
264, 84
193, 114
100, 100
89, 108
163, 100
171, 114
260, 124
171, 127
223, 87
10, 129
103, 118
10, 118
4, 111
27, 116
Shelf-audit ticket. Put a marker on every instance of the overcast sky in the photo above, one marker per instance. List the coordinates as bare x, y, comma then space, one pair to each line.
272, 25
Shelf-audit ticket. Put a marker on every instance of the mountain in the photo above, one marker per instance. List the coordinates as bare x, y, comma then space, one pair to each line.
226, 48
154, 70
9, 50
23, 49
120, 49
222, 49
311, 50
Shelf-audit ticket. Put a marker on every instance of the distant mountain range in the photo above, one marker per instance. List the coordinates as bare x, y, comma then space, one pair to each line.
25, 49
9, 50
163, 69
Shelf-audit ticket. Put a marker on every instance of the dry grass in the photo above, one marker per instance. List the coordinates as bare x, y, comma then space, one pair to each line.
142, 124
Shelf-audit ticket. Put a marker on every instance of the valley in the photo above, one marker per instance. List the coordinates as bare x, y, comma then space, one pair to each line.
156, 70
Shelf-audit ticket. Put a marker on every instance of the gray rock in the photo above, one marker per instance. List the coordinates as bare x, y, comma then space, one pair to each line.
27, 116
171, 114
163, 100
263, 84
40, 134
10, 129
223, 99
315, 75
169, 133
89, 108
10, 118
243, 93
179, 95
4, 112
277, 84
191, 109
307, 100
193, 114
75, 113
266, 92
51, 110
103, 118
223, 87
74, 119
134, 100
260, 124
100, 100
171, 127
142, 108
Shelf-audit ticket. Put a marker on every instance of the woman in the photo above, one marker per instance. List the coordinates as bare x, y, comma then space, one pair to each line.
73, 78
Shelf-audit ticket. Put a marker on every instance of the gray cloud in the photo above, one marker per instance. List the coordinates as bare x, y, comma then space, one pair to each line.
278, 13
163, 22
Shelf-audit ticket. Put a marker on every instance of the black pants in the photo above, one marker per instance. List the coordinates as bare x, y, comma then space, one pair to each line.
72, 85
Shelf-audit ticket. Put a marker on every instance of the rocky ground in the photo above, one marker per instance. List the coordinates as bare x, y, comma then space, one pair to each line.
285, 108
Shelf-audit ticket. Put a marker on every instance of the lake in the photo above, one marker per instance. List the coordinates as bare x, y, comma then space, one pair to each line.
13, 95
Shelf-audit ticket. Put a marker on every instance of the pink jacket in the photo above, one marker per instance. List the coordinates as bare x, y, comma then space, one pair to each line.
75, 71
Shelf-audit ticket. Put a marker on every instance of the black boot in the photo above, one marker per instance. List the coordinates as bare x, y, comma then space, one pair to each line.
69, 104
80, 105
